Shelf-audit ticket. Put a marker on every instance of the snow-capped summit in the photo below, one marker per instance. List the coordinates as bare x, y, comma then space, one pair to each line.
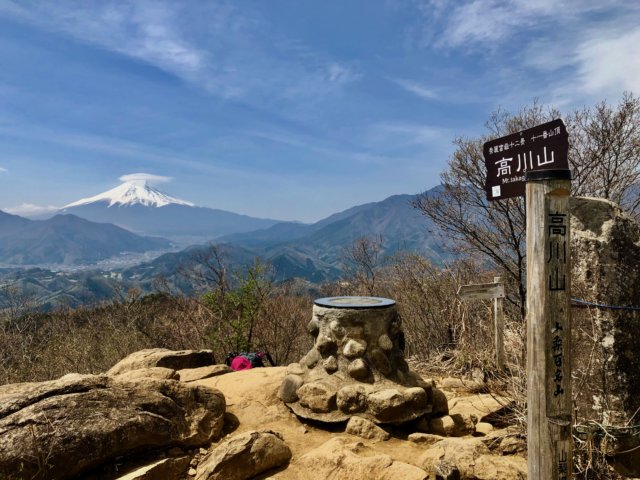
141, 208
132, 193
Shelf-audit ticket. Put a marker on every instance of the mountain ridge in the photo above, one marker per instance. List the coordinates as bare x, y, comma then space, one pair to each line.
67, 240
312, 252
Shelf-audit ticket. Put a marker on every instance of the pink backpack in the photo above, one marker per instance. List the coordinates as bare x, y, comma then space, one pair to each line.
240, 363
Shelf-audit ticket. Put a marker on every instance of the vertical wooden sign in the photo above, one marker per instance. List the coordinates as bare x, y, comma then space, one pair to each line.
498, 328
549, 441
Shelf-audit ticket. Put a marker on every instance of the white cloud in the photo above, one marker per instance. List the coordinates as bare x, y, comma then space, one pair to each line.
214, 45
590, 65
162, 158
409, 134
29, 209
610, 62
144, 178
417, 89
567, 52
330, 151
341, 74
490, 20
537, 55
482, 24
140, 30
110, 146
3, 170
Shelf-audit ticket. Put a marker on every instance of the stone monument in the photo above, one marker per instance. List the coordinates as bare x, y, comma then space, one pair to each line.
356, 366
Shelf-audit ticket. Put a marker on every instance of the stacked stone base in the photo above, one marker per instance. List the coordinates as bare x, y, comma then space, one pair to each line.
356, 367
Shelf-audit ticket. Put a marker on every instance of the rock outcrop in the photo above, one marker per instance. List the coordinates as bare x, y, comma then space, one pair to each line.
470, 459
325, 454
606, 269
143, 424
606, 353
161, 357
343, 458
364, 428
66, 427
244, 456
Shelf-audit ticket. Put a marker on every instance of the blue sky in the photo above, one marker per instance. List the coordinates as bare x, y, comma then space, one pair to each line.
288, 109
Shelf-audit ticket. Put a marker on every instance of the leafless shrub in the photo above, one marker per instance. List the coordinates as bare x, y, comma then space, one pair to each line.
361, 262
604, 156
281, 330
251, 313
593, 446
435, 320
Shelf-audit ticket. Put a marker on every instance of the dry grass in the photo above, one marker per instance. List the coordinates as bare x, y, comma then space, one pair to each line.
444, 337
37, 346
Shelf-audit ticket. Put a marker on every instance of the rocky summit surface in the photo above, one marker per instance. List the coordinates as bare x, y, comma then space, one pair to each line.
66, 427
141, 421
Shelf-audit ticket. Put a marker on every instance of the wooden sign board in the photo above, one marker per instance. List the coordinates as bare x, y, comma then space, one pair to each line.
543, 147
481, 291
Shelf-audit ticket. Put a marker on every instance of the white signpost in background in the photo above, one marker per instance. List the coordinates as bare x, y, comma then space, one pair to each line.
481, 291
488, 291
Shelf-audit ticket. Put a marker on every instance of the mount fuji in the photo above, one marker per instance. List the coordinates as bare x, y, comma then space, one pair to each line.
143, 209
132, 193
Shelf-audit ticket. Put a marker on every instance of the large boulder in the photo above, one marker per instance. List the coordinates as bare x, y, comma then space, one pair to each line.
485, 407
161, 357
606, 353
606, 270
244, 456
493, 467
159, 373
364, 428
453, 454
66, 427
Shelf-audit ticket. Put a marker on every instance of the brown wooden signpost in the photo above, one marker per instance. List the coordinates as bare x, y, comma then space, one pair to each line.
487, 291
548, 188
509, 158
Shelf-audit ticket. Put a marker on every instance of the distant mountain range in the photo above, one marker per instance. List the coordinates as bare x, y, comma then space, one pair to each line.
317, 251
65, 240
145, 210
311, 252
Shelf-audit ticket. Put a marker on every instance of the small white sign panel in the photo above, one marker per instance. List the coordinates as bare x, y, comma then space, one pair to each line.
481, 291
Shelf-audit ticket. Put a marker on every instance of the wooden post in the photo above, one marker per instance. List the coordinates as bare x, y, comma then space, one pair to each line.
498, 324
549, 440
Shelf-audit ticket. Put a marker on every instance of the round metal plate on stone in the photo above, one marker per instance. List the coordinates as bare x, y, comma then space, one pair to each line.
354, 302
356, 366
